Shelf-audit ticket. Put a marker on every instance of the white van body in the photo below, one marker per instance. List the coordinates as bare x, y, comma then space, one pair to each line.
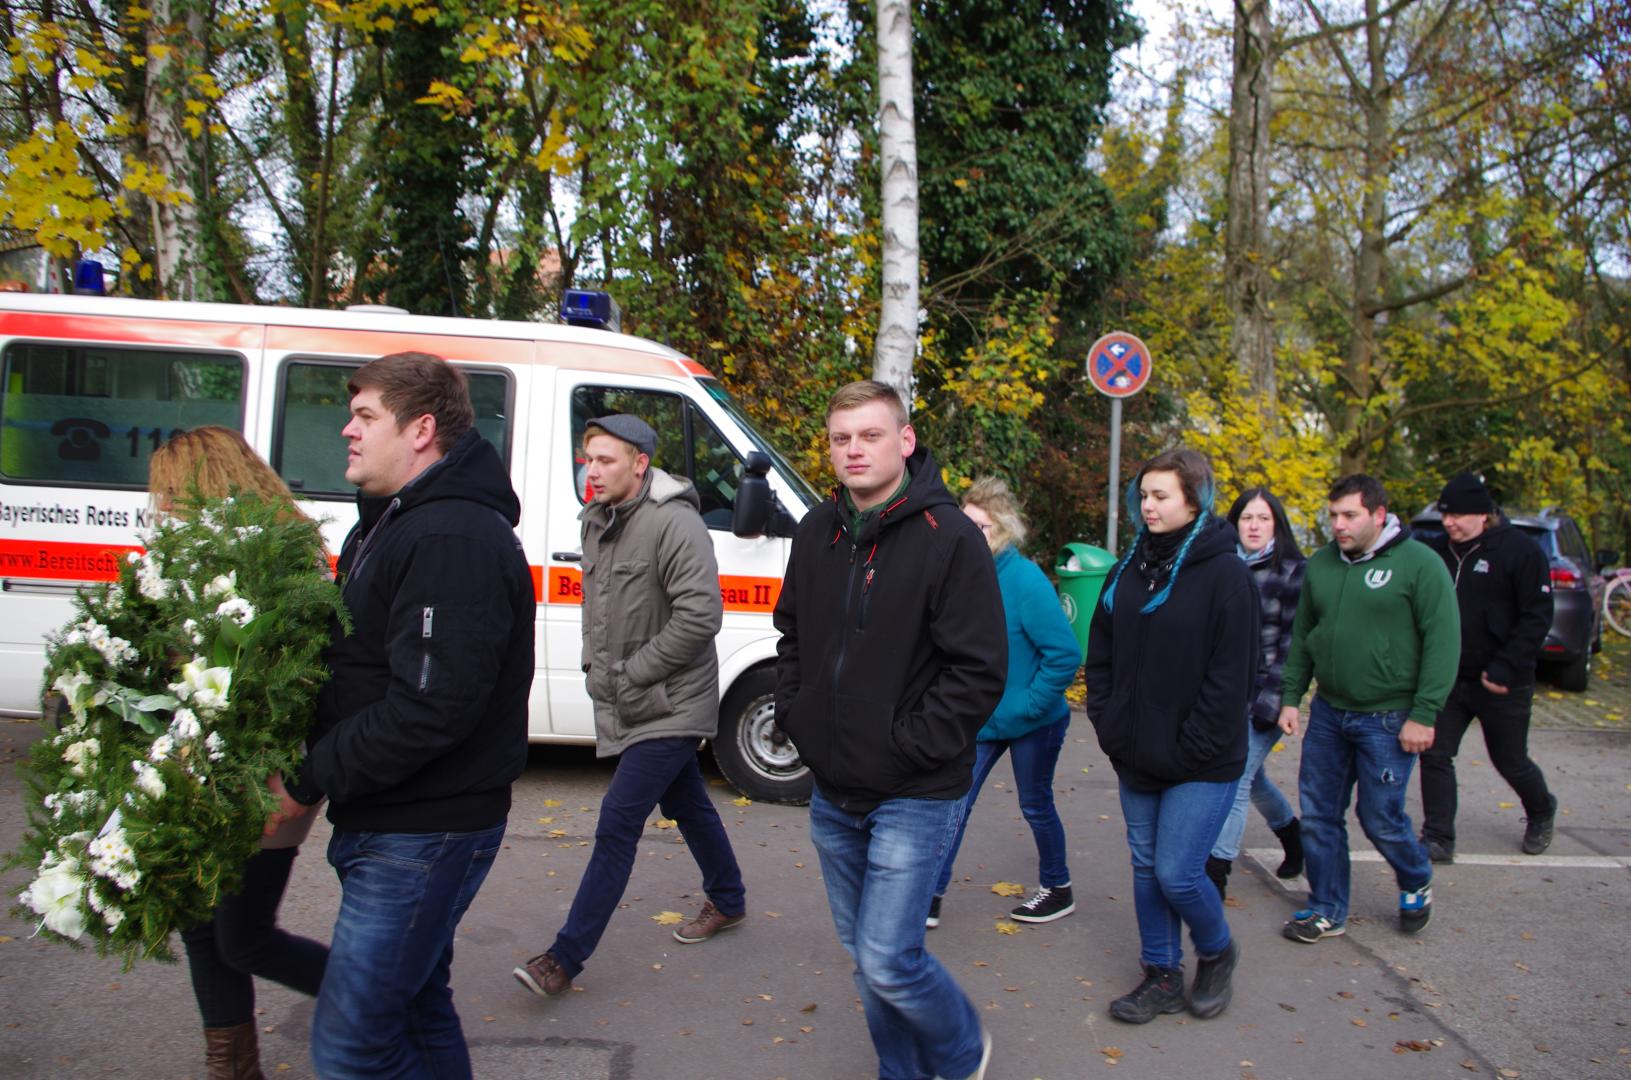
89, 386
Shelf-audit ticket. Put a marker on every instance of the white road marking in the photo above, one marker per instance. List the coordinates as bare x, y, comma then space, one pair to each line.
1271, 857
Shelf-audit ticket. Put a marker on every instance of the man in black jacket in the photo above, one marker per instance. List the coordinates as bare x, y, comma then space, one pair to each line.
423, 724
893, 654
1503, 586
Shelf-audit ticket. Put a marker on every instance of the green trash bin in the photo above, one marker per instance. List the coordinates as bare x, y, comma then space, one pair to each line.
1082, 569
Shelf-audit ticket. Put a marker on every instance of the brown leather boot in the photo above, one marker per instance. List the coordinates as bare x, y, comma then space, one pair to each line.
232, 1053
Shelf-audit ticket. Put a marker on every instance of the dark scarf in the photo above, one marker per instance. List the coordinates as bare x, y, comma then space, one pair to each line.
1158, 552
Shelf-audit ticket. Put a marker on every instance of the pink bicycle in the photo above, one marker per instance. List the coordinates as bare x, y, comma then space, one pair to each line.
1617, 600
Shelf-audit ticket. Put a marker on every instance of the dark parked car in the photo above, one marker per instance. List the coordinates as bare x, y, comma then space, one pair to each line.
1577, 591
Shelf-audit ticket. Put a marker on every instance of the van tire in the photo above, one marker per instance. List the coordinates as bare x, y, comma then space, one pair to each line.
1574, 675
752, 752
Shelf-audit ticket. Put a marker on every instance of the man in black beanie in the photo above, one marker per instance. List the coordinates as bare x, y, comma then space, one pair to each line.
1504, 589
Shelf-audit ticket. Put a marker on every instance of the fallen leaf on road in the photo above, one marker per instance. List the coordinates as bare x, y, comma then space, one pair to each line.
1113, 1052
668, 918
742, 800
747, 1021
1358, 1021
557, 833
1008, 928
1008, 888
1520, 966
766, 997
810, 1008
665, 823
546, 821
806, 1030
1471, 1065
1288, 1008
1504, 805
1412, 1045
552, 803
1527, 936
1510, 1074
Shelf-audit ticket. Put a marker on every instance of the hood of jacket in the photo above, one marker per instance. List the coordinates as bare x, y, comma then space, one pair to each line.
1394, 532
656, 488
924, 491
470, 470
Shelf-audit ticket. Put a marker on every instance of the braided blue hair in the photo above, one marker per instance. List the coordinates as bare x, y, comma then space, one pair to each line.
1206, 496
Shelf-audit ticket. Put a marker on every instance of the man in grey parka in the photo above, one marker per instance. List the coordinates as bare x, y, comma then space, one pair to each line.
651, 610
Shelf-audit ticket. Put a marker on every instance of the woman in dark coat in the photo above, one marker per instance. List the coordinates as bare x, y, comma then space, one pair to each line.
1171, 659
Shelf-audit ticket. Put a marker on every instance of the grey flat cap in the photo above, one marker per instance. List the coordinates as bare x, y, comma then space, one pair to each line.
631, 429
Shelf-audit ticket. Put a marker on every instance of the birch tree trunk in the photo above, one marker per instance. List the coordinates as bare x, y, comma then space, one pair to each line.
174, 214
896, 344
1246, 278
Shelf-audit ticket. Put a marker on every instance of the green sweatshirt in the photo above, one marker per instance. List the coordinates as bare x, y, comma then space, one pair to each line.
1377, 635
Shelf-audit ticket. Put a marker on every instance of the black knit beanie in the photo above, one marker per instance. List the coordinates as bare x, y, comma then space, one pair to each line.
1465, 494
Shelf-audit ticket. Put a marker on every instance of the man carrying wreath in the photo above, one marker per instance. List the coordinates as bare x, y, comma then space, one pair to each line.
423, 725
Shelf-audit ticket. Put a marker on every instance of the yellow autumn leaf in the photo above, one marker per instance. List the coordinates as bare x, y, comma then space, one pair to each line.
1006, 927
1504, 805
668, 918
552, 803
742, 800
194, 126
1008, 888
666, 823
557, 833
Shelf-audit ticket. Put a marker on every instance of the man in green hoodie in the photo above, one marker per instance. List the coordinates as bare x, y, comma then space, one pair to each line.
1378, 629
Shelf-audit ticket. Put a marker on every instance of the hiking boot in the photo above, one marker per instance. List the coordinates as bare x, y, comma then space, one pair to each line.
1162, 991
1415, 908
1291, 842
1439, 851
934, 913
544, 975
709, 921
1045, 905
1210, 994
1308, 926
1537, 831
1218, 871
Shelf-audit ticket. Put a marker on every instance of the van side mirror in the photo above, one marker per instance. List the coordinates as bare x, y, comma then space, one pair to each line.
757, 511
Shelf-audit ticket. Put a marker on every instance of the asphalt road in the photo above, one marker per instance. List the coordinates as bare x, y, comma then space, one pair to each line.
1522, 972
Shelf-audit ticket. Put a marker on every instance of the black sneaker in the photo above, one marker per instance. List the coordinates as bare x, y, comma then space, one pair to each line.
1210, 994
1308, 926
1537, 831
934, 913
1439, 851
1162, 991
1415, 908
1046, 905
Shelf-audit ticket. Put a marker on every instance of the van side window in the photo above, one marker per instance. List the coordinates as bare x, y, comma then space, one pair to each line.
687, 444
307, 448
93, 414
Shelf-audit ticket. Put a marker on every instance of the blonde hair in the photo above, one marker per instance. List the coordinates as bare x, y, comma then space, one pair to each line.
211, 463
993, 496
865, 392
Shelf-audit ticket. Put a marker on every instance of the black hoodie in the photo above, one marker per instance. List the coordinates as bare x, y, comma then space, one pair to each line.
1503, 588
423, 724
1168, 692
894, 648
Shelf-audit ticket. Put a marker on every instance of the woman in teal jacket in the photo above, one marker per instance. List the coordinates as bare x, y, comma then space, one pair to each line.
1032, 716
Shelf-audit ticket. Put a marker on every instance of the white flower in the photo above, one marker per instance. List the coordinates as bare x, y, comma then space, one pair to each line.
150, 581
112, 857
184, 725
115, 650
237, 609
224, 585
55, 895
133, 557
206, 687
81, 755
148, 778
216, 746
191, 629
111, 915
162, 748
246, 532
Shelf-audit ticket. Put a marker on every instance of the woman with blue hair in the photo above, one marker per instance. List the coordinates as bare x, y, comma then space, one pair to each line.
1171, 659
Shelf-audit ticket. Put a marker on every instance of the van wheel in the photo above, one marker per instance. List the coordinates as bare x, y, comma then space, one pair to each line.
752, 751
1574, 675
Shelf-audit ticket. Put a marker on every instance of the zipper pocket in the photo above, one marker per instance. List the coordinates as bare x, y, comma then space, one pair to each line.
426, 617
424, 672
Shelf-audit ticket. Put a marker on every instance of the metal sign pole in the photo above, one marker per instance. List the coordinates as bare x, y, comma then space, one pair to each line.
1115, 474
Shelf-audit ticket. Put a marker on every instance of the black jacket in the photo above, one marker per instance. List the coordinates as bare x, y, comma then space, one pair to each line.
1168, 691
894, 648
423, 724
1503, 588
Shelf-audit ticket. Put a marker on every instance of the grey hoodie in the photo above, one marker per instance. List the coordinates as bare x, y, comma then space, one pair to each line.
651, 611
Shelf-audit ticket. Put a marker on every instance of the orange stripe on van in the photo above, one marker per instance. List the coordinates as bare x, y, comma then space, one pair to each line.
56, 560
739, 591
221, 335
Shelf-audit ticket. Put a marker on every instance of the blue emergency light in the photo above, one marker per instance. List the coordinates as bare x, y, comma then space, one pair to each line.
89, 279
592, 308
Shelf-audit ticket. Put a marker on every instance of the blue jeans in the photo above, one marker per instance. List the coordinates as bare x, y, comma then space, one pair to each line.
1033, 756
1343, 749
879, 868
1257, 789
1169, 834
656, 772
385, 1008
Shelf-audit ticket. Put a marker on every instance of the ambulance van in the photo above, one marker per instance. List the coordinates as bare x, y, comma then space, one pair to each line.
89, 386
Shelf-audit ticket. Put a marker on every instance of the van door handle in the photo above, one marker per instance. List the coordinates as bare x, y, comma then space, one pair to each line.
566, 556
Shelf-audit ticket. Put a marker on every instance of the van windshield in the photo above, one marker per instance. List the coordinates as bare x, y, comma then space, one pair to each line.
717, 391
